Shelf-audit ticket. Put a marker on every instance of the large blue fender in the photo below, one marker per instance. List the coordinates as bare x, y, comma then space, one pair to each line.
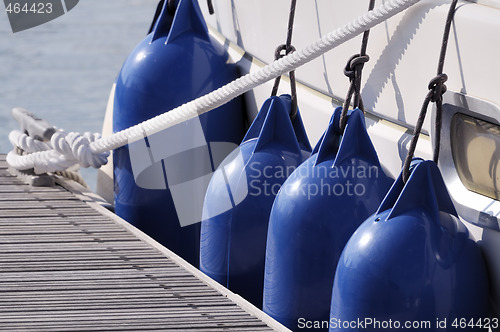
240, 196
413, 261
175, 63
316, 211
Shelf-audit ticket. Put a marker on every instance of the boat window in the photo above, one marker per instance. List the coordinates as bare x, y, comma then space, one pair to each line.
476, 152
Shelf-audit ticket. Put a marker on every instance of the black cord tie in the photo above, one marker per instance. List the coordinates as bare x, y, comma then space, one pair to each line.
353, 70
210, 7
355, 65
436, 90
437, 87
281, 51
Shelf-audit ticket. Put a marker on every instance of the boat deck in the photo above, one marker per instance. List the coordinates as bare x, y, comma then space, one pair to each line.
68, 264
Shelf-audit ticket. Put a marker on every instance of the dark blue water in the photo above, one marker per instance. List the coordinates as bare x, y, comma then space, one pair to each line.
63, 70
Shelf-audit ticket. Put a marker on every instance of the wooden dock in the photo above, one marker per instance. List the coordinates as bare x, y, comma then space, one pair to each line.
68, 264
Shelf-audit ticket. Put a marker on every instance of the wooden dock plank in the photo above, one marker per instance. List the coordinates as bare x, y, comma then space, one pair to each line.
68, 264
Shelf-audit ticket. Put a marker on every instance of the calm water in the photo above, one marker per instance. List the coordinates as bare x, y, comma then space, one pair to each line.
63, 70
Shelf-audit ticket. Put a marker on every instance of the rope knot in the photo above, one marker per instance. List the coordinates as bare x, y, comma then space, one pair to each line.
437, 87
355, 65
282, 51
75, 146
58, 141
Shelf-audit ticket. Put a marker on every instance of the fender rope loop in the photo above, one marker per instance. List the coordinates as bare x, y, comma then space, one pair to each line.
436, 90
210, 5
353, 70
278, 54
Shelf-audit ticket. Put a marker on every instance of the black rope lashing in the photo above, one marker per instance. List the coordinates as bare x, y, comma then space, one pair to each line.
281, 51
211, 10
436, 90
353, 71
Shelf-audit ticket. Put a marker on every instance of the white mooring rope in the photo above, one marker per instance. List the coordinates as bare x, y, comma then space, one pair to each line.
90, 150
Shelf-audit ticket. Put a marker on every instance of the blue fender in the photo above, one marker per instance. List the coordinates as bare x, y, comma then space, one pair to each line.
318, 208
175, 63
412, 261
240, 196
